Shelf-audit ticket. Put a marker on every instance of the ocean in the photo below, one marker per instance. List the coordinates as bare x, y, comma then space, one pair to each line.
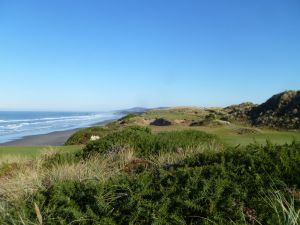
15, 125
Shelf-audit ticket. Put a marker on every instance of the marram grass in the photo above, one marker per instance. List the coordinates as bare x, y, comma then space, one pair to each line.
149, 179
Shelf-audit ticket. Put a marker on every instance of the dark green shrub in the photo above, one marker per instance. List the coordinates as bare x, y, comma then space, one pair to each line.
209, 188
62, 158
145, 143
210, 117
83, 136
221, 187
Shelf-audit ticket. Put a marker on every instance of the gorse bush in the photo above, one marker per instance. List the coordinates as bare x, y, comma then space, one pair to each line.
84, 135
223, 188
265, 161
59, 159
146, 144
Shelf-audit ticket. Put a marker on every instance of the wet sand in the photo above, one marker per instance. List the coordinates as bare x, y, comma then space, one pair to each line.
56, 138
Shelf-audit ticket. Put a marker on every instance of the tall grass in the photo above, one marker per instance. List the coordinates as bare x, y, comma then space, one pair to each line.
284, 207
169, 178
174, 157
32, 174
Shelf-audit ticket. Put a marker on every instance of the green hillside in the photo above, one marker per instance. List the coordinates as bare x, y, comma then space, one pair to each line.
181, 165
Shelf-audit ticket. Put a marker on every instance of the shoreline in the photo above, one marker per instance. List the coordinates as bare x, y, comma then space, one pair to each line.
55, 138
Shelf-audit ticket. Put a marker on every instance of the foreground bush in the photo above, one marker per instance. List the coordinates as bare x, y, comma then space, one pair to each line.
234, 186
146, 144
84, 135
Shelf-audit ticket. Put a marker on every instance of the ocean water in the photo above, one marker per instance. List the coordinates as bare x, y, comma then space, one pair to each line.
15, 125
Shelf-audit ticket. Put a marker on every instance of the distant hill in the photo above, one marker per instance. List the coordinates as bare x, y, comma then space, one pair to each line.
280, 111
137, 110
132, 110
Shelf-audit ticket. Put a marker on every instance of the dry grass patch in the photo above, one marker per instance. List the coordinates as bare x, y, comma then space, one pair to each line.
171, 158
31, 174
100, 167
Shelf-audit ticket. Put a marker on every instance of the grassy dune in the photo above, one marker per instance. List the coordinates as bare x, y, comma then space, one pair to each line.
182, 117
230, 137
137, 173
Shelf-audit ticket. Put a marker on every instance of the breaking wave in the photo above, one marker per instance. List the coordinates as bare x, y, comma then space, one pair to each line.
17, 125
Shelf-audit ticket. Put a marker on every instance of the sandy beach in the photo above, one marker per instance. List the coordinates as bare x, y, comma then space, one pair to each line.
57, 138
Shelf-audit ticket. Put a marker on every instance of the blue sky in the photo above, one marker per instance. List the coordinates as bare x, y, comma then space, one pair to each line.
106, 54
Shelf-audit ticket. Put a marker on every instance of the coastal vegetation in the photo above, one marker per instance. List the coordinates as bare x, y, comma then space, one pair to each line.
203, 167
33, 151
136, 177
234, 125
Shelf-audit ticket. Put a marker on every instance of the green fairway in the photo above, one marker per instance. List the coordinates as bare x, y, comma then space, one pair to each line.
35, 150
227, 133
276, 137
228, 136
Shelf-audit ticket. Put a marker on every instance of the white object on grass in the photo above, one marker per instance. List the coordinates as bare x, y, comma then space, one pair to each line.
95, 138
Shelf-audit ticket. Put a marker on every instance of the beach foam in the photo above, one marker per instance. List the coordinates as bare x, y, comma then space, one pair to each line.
15, 125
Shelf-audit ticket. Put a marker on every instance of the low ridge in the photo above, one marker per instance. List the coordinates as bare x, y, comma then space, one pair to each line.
280, 111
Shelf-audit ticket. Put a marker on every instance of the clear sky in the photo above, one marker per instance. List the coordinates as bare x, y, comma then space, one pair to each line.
106, 54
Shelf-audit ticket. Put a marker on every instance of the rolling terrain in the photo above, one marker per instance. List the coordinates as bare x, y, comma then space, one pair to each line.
182, 165
275, 120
